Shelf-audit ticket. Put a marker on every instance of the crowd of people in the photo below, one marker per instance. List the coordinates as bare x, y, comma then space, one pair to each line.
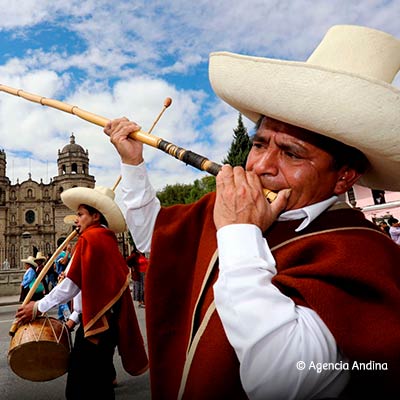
246, 298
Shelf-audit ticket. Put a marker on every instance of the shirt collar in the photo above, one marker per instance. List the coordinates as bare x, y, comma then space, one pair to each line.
309, 213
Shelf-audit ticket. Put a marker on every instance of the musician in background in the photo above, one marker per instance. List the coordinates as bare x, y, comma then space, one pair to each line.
99, 274
303, 292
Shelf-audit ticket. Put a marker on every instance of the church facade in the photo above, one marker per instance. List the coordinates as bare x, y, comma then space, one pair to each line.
32, 213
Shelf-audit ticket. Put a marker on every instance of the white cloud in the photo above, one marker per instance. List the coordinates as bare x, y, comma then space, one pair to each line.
125, 37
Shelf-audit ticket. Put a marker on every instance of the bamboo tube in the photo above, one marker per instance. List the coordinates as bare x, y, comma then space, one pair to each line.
42, 274
187, 156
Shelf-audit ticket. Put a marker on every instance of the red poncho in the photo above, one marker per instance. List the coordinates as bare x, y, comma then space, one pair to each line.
100, 271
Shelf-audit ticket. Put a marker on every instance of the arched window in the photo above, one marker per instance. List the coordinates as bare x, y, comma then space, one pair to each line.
30, 193
74, 168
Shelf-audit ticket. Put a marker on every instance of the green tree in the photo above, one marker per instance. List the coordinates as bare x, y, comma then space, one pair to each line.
200, 188
186, 193
174, 194
240, 145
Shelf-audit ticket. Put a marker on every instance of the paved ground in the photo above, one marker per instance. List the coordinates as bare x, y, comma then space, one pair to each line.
9, 300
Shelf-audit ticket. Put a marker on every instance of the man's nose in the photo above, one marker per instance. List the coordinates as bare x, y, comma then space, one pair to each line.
266, 163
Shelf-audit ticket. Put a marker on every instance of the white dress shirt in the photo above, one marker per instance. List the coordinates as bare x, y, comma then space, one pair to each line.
280, 346
61, 294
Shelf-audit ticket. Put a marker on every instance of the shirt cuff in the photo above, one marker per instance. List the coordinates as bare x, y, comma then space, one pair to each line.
74, 316
134, 175
241, 243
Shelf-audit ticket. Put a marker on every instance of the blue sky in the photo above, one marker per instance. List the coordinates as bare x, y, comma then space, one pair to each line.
125, 58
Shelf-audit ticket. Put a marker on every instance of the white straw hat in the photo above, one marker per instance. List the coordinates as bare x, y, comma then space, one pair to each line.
40, 256
30, 260
342, 91
70, 219
100, 198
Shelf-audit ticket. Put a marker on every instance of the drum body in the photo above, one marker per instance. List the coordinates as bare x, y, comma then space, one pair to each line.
39, 350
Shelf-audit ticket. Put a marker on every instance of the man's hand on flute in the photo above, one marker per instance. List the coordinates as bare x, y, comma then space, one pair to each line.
130, 150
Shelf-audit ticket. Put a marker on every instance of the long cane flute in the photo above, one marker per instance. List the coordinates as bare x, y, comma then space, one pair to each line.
42, 274
188, 157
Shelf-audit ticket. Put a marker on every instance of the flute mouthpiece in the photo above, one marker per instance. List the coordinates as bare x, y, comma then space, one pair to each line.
269, 195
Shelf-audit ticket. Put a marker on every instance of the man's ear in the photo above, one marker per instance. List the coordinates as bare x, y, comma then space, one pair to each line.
347, 177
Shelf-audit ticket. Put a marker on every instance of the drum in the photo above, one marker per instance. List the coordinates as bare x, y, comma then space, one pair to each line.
39, 350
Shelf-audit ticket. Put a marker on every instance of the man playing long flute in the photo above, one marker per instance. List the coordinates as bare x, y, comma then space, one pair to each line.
298, 299
99, 276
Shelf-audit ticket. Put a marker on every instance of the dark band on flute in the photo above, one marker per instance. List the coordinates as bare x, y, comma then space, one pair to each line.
190, 158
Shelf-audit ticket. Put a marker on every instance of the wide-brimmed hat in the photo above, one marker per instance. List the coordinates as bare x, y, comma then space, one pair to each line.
342, 91
40, 256
100, 198
30, 260
70, 219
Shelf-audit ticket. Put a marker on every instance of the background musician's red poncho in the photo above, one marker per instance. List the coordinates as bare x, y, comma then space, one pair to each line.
103, 277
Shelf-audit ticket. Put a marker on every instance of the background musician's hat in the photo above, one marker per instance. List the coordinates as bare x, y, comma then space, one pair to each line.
69, 219
342, 91
30, 260
100, 198
40, 257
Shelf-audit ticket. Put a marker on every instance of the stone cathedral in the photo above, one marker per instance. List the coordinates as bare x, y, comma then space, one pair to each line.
32, 214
